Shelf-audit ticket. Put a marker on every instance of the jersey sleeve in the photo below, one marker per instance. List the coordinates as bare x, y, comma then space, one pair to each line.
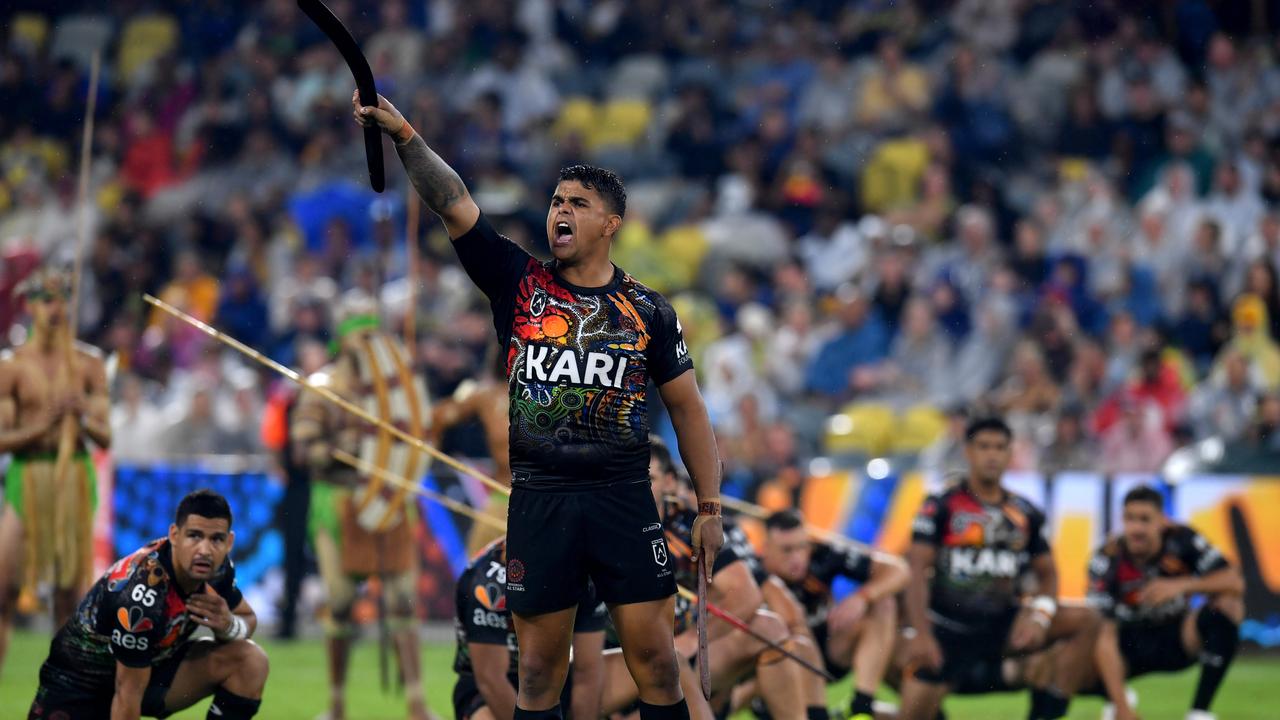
930, 521
494, 264
668, 354
1038, 544
224, 583
736, 548
134, 618
1100, 596
851, 562
1199, 555
482, 610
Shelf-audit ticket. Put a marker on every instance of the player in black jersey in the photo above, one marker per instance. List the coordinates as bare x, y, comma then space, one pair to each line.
972, 548
1142, 581
487, 656
127, 652
859, 631
582, 341
734, 656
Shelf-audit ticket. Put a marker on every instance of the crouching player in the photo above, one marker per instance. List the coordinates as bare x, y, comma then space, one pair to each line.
487, 657
734, 656
972, 547
127, 651
859, 631
1142, 582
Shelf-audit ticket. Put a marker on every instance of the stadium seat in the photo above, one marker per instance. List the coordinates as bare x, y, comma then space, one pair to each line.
78, 37
28, 32
142, 41
861, 428
917, 429
578, 116
622, 122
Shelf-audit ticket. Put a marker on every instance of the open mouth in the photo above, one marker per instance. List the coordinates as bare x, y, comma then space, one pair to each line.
563, 235
201, 566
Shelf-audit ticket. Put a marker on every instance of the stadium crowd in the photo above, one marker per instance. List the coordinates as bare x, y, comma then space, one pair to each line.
868, 214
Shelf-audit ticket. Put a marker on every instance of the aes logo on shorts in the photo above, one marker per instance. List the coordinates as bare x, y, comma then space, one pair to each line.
660, 552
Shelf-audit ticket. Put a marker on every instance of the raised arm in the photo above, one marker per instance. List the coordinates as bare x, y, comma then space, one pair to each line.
437, 184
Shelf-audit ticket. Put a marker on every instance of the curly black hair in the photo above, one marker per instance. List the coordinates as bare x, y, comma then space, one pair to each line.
605, 182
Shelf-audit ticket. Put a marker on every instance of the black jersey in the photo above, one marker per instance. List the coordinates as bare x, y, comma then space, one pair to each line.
135, 614
1116, 579
482, 614
983, 550
827, 563
578, 361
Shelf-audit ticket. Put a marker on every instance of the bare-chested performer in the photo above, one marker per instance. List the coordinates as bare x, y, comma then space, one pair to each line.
486, 400
46, 526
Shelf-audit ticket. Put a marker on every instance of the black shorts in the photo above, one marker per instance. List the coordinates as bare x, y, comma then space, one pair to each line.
972, 659
820, 634
467, 699
557, 540
59, 699
1154, 648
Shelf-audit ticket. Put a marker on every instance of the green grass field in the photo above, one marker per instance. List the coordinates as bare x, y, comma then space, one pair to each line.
298, 691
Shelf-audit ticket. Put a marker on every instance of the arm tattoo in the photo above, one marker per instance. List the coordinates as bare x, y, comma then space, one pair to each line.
437, 183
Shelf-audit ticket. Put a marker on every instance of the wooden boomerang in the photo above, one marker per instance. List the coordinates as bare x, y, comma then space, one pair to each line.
704, 654
338, 34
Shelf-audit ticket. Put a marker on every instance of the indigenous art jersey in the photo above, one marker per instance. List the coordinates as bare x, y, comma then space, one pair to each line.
1116, 579
578, 362
481, 599
135, 614
677, 525
982, 552
827, 563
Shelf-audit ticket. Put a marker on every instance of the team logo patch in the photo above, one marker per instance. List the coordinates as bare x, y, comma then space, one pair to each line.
660, 552
491, 597
515, 571
132, 620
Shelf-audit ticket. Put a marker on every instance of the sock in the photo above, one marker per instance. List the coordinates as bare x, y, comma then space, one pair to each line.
227, 705
548, 714
678, 711
862, 704
1219, 637
817, 712
1047, 705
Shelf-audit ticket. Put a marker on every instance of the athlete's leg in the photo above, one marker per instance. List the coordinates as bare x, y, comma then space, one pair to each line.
620, 688
10, 573
340, 596
646, 631
921, 700
866, 646
814, 686
234, 673
1212, 633
400, 589
544, 657
1075, 628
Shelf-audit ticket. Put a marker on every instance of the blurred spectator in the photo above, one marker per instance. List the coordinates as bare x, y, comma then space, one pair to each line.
919, 363
1138, 442
1251, 341
137, 424
1071, 448
197, 432
861, 340
1224, 406
1201, 330
241, 311
893, 90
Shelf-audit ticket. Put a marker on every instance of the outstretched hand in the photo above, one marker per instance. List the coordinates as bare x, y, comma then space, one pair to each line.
384, 116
